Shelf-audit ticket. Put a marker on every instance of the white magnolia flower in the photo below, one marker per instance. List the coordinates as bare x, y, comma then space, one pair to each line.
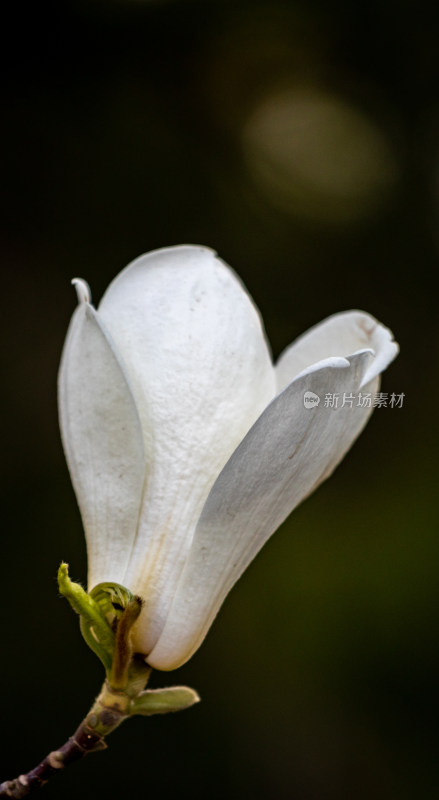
187, 447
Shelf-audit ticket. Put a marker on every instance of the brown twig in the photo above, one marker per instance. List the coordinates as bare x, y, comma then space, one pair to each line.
106, 714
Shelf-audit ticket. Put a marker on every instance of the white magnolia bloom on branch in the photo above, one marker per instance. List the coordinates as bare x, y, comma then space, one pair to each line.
186, 446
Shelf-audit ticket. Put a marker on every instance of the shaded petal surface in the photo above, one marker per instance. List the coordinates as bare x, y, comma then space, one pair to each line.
287, 453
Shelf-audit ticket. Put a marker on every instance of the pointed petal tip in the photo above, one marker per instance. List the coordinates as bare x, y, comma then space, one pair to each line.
385, 351
362, 352
333, 362
82, 290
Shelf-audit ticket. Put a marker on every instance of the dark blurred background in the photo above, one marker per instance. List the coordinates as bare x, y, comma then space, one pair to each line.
300, 140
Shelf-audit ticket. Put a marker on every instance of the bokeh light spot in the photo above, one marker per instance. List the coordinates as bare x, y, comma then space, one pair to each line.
315, 155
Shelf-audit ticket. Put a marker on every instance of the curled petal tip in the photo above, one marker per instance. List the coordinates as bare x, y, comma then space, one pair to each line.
82, 290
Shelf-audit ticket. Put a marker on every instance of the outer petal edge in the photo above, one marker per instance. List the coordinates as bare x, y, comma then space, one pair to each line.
103, 443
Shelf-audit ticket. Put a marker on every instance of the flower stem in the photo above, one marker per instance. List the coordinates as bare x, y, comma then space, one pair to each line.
106, 714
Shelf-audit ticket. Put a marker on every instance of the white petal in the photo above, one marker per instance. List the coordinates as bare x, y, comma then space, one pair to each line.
338, 335
287, 453
201, 373
103, 444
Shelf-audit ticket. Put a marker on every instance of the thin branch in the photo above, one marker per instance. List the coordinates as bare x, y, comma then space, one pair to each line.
106, 714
